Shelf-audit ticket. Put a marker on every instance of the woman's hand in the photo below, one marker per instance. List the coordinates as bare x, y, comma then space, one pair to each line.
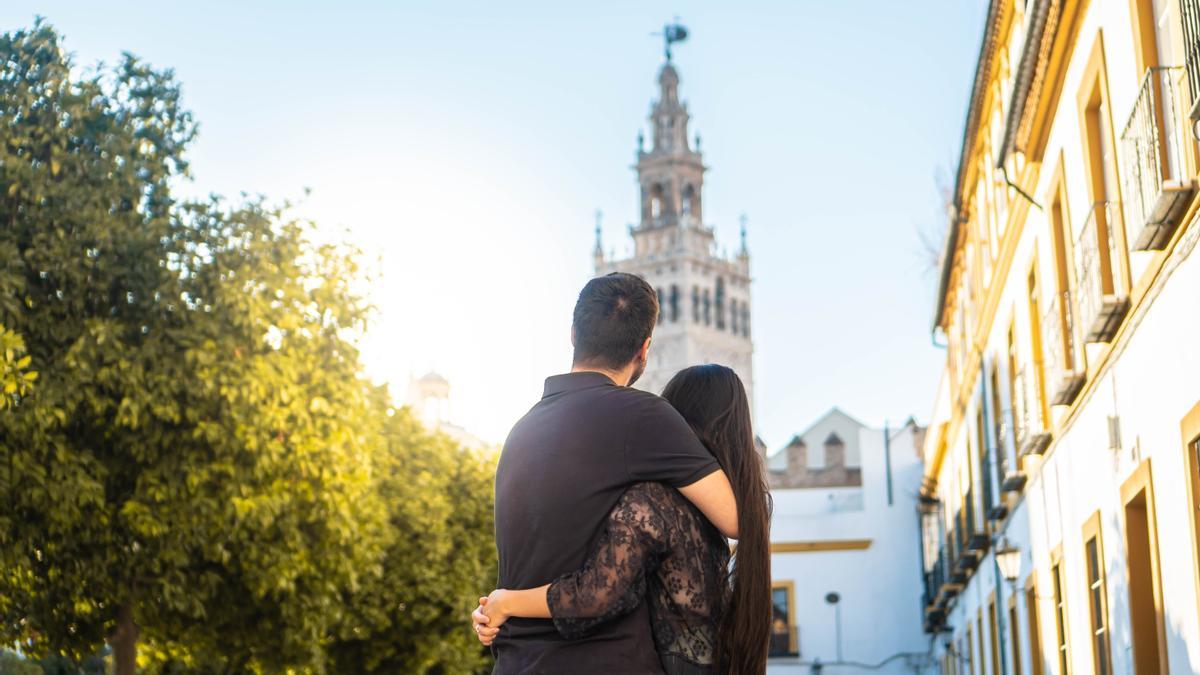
489, 616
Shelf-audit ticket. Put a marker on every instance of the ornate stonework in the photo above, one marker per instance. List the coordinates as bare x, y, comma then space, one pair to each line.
705, 297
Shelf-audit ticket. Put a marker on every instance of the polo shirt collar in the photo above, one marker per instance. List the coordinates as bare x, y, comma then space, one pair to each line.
557, 384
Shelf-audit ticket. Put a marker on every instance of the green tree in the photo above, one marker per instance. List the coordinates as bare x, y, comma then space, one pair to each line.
191, 462
15, 379
413, 618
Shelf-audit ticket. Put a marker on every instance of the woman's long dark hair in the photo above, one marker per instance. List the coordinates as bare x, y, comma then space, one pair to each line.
713, 401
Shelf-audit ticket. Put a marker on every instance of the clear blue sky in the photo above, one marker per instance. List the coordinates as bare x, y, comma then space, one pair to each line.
466, 145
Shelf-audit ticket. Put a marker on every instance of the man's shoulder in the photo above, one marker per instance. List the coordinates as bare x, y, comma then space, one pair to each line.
653, 408
624, 400
642, 397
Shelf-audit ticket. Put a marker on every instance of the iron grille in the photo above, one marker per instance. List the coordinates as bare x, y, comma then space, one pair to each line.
1062, 352
1027, 415
1152, 154
1190, 14
1096, 271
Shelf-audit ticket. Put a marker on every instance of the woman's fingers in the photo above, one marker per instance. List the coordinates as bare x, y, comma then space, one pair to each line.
479, 616
480, 621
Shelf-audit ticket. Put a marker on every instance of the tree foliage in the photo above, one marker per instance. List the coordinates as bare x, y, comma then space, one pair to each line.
439, 552
200, 465
15, 376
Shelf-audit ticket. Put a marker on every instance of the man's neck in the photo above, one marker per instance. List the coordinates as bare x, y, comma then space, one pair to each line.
621, 377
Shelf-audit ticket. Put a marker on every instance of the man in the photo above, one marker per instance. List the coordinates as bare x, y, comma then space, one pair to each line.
565, 465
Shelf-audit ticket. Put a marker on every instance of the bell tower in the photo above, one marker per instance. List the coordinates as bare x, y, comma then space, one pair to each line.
704, 294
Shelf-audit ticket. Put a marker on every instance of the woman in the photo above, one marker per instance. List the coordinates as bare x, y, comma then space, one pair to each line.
708, 615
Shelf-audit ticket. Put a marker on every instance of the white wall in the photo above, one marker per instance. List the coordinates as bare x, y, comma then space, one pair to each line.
1151, 383
879, 587
1150, 388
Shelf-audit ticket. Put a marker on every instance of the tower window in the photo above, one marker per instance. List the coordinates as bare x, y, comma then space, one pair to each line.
695, 304
707, 308
720, 303
745, 320
733, 316
656, 201
674, 303
660, 306
688, 203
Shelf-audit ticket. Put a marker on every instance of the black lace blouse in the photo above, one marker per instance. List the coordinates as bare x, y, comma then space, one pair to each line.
658, 545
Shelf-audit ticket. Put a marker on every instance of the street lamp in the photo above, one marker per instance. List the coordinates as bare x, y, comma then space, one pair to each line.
833, 598
1008, 559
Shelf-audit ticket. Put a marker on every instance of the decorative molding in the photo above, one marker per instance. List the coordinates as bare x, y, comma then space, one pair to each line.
819, 546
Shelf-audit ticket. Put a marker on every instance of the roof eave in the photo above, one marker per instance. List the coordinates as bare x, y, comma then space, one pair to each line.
986, 50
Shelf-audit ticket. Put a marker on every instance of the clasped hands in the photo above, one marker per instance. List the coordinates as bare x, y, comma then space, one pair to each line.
489, 616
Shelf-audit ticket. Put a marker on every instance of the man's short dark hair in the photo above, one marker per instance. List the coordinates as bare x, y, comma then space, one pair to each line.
613, 317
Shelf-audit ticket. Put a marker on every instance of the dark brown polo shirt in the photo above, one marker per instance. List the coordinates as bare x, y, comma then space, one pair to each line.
563, 468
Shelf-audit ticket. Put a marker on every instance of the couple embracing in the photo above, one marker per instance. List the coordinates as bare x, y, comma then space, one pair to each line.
615, 509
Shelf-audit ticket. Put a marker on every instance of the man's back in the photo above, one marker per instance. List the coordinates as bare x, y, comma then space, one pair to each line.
563, 468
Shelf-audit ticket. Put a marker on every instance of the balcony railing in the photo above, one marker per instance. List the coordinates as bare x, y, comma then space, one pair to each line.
1189, 11
1103, 301
1062, 369
1157, 189
937, 594
1031, 434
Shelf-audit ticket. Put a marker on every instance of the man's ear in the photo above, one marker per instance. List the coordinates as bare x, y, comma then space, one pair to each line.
644, 351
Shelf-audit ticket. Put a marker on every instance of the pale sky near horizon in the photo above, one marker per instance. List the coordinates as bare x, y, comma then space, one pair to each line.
466, 146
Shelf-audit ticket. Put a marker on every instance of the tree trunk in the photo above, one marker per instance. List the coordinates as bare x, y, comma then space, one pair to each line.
124, 642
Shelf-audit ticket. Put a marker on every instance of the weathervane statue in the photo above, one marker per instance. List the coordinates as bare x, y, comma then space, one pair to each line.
673, 32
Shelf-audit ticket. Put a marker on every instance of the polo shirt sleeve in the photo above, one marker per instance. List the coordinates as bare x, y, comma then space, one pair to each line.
662, 447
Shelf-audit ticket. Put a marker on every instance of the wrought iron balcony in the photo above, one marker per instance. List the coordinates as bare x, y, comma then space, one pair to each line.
971, 540
1063, 372
1031, 435
998, 512
1189, 11
937, 594
1157, 188
935, 578
1103, 302
1014, 481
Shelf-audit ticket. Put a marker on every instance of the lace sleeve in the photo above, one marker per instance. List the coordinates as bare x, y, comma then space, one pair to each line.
613, 579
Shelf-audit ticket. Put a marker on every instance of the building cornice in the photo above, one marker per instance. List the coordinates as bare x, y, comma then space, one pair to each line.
820, 546
1036, 49
983, 68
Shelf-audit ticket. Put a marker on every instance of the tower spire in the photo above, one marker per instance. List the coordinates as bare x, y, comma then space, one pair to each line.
703, 289
598, 252
745, 251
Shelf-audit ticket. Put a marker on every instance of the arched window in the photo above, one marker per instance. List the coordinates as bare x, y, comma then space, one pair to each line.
656, 201
688, 202
733, 316
695, 304
660, 306
707, 308
674, 303
745, 320
720, 303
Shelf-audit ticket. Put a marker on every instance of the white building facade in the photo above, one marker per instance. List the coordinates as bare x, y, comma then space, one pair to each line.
1062, 488
845, 557
704, 296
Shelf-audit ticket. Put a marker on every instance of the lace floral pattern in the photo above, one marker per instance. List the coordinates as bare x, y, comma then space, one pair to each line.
656, 545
